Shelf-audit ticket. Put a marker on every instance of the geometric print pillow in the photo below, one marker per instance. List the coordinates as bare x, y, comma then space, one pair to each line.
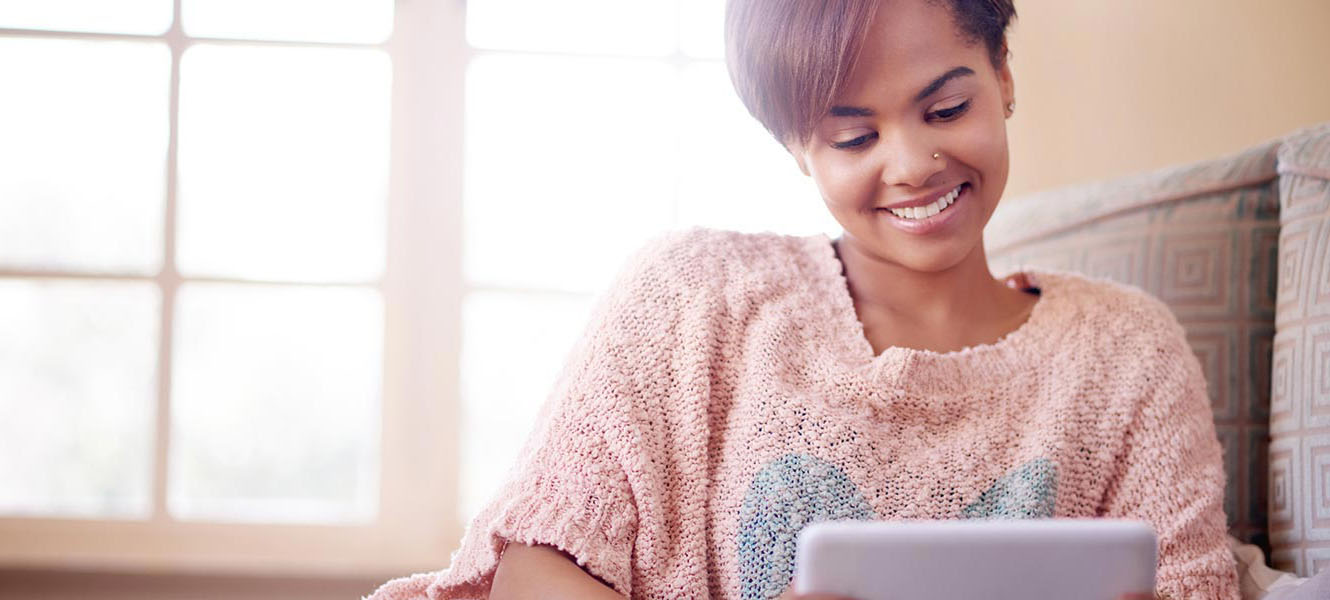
1299, 502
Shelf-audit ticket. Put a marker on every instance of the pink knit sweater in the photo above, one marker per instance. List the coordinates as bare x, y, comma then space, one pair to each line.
724, 396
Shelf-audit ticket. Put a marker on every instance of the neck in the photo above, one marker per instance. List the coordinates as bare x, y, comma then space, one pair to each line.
960, 298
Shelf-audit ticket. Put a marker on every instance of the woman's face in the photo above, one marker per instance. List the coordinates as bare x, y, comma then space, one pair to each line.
918, 89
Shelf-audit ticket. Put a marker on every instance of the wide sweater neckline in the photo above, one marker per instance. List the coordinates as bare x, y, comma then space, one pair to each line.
975, 367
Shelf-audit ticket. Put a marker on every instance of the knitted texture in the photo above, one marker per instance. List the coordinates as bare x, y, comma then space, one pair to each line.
724, 396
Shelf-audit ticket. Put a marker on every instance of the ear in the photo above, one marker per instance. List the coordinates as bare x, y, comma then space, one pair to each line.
796, 150
1005, 83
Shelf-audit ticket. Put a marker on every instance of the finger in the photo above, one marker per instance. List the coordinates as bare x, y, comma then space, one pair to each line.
1018, 281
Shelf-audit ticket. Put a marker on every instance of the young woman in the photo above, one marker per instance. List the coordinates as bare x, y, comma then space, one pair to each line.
732, 388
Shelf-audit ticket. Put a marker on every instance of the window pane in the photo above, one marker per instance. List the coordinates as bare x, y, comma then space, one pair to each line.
83, 134
283, 162
570, 167
354, 21
78, 391
275, 404
702, 28
734, 174
105, 16
513, 348
615, 27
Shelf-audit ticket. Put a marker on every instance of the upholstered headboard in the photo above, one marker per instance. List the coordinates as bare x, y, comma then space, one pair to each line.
1202, 238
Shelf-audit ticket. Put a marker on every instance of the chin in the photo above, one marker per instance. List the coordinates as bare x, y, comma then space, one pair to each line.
930, 260
929, 264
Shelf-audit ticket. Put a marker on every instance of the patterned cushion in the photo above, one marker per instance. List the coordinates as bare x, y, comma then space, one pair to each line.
1300, 400
1202, 238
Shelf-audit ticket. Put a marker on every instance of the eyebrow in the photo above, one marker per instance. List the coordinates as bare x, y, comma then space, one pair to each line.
859, 111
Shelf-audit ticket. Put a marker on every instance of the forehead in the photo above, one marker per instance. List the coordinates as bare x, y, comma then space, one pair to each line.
908, 44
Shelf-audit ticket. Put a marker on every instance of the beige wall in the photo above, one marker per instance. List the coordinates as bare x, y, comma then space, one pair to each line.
1112, 87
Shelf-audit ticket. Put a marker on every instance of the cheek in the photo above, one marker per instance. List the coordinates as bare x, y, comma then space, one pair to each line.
984, 145
845, 184
985, 151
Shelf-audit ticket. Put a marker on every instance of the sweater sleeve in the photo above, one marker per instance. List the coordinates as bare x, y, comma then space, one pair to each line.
1170, 472
568, 490
573, 484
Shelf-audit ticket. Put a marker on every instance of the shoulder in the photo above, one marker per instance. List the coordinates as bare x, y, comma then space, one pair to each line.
1124, 316
697, 248
669, 308
1125, 340
701, 260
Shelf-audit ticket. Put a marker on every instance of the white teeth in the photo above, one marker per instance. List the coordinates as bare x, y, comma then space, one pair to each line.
923, 212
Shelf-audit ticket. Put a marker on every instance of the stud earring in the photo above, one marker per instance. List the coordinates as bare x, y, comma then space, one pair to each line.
1011, 107
936, 155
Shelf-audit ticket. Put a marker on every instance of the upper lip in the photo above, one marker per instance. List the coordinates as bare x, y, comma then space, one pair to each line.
923, 200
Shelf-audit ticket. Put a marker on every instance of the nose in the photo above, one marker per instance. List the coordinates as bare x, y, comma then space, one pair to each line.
907, 160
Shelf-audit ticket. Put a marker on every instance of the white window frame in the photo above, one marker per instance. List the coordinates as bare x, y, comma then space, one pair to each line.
416, 528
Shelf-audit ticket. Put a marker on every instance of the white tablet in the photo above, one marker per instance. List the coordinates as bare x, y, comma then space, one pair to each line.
1082, 559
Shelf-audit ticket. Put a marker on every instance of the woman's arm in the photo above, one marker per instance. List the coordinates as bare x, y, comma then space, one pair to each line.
1170, 469
542, 572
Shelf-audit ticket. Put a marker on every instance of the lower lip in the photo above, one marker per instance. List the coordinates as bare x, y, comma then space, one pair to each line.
933, 223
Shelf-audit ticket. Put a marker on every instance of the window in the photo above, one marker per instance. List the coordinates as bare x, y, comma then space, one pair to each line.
282, 283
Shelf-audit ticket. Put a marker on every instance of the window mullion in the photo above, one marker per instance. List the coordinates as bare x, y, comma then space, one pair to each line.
169, 280
422, 283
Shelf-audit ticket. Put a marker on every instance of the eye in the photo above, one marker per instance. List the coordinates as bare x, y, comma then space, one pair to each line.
948, 114
856, 142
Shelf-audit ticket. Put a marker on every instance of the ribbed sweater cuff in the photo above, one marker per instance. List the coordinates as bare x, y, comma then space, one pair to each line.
567, 512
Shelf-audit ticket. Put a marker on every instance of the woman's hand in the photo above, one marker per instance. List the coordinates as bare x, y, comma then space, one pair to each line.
790, 595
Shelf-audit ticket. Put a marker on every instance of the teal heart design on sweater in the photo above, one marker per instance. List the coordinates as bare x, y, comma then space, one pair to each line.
1029, 492
789, 493
796, 490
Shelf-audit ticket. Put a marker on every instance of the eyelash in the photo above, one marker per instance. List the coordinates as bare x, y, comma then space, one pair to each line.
946, 114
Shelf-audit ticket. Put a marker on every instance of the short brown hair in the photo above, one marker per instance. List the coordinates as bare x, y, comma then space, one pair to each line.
789, 58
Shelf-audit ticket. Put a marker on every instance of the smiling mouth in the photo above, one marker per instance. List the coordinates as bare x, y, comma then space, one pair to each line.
920, 213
